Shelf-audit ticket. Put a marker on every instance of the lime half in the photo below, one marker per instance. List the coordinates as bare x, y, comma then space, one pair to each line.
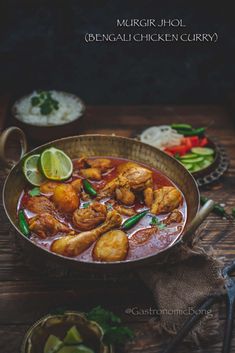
55, 164
31, 170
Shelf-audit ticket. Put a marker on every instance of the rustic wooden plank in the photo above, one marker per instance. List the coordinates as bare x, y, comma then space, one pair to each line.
26, 294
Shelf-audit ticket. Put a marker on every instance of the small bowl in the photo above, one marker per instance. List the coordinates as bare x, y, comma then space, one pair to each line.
57, 325
45, 133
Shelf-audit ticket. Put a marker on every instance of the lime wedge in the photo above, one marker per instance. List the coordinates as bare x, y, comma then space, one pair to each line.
55, 164
31, 170
76, 349
52, 345
73, 336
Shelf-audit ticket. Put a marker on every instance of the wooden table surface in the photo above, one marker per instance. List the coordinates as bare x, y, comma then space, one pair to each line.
28, 293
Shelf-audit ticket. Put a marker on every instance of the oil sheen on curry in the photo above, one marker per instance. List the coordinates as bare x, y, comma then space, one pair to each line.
134, 212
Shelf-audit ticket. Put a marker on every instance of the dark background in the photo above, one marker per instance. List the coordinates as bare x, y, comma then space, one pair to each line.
42, 46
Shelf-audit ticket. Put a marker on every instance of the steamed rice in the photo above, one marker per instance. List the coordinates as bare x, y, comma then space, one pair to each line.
70, 108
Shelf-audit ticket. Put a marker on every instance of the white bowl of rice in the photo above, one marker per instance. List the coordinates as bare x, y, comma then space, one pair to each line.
46, 115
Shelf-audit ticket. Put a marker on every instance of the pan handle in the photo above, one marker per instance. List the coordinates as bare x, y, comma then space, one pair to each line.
197, 221
19, 136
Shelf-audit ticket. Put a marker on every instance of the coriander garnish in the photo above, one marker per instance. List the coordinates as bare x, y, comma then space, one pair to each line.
45, 102
156, 222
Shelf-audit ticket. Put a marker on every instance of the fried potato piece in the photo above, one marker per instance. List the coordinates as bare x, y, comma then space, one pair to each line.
45, 225
48, 187
75, 245
174, 217
90, 217
166, 199
143, 235
39, 204
111, 246
77, 185
65, 198
91, 173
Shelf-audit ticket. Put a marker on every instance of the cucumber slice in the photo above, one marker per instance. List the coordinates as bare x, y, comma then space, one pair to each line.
206, 164
196, 168
193, 160
209, 159
189, 156
203, 151
188, 166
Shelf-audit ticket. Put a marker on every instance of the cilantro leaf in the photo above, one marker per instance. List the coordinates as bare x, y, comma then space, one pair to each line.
46, 108
103, 317
114, 333
156, 222
34, 192
45, 101
86, 205
35, 101
118, 335
161, 226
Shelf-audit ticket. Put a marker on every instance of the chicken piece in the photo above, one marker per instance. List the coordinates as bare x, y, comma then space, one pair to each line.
139, 178
75, 245
148, 196
77, 185
85, 196
174, 217
125, 195
132, 177
111, 246
65, 198
143, 235
109, 189
91, 173
166, 199
90, 217
81, 163
48, 187
123, 167
103, 164
125, 211
45, 225
39, 204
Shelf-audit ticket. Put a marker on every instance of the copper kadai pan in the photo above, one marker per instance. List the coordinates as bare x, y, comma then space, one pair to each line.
102, 145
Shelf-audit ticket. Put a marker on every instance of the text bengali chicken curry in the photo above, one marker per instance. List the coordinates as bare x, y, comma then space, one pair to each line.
110, 210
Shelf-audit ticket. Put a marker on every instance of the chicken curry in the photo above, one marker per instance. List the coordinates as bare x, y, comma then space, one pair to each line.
111, 209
